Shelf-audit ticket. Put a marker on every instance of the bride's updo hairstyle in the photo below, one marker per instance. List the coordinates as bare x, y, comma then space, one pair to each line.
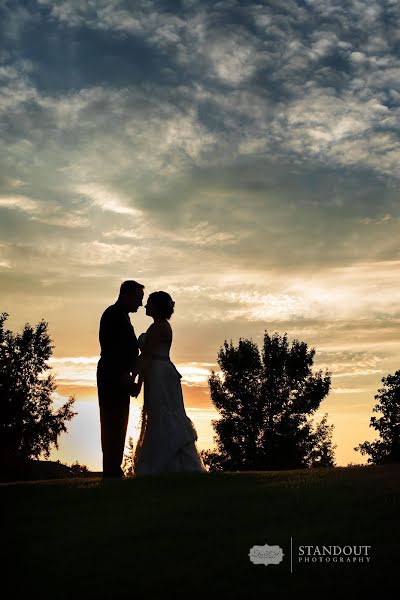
163, 304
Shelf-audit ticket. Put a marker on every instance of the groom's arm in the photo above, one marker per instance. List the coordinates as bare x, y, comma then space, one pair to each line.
110, 333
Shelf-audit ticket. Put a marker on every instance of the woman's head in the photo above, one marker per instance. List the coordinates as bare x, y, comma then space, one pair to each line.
160, 304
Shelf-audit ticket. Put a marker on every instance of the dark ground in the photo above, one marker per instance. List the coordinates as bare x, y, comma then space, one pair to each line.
189, 535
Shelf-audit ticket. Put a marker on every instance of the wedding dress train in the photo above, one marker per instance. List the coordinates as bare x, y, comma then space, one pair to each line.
167, 440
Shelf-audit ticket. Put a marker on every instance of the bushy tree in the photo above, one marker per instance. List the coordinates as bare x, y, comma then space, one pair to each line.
28, 425
265, 402
78, 470
387, 448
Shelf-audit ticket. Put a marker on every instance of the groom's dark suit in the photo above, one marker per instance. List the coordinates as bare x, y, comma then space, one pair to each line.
119, 352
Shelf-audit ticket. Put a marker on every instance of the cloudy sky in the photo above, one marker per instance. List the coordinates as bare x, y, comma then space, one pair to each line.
242, 156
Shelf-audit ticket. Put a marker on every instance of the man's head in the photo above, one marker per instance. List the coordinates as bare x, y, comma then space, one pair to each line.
131, 295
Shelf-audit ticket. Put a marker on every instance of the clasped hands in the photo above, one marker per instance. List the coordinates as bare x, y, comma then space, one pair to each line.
130, 383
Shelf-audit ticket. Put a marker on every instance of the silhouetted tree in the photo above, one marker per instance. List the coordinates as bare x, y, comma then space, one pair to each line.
127, 465
28, 426
387, 448
265, 402
78, 470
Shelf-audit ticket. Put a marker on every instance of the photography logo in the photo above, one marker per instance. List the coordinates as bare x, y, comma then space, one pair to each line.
311, 554
334, 554
266, 555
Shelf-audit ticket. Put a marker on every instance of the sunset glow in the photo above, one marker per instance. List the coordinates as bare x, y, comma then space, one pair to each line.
243, 158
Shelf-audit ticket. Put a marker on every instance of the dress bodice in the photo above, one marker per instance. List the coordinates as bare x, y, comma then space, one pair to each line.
162, 350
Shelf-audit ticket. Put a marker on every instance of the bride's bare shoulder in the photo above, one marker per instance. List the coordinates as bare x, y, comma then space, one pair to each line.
162, 328
166, 329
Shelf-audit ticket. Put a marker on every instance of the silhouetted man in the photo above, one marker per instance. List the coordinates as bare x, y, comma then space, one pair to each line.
119, 352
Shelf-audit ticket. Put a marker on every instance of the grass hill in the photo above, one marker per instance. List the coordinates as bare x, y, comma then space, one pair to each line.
190, 535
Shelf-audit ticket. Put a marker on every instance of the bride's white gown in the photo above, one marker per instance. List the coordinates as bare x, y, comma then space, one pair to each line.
167, 440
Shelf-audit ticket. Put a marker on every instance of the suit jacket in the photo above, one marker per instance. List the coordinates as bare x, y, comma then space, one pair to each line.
118, 343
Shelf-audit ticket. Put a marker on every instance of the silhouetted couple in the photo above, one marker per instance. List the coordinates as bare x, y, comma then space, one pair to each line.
167, 440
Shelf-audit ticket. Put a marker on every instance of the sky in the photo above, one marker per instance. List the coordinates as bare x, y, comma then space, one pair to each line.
242, 156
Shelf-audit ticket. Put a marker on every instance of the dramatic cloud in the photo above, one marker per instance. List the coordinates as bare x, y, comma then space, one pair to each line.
242, 155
